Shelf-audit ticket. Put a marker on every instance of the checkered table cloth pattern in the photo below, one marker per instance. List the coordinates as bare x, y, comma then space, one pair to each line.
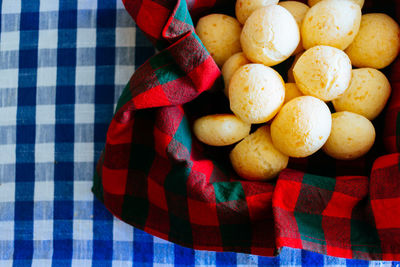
63, 65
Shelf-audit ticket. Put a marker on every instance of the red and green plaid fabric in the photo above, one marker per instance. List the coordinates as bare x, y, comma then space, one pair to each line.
154, 175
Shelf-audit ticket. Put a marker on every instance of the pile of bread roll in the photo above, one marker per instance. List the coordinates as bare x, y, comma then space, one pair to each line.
328, 38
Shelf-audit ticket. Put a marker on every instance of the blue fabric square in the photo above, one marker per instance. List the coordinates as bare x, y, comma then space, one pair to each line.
62, 230
105, 56
62, 251
83, 170
106, 19
26, 115
64, 191
30, 20
67, 18
225, 259
63, 171
66, 57
23, 250
184, 256
64, 133
24, 211
102, 249
28, 59
66, 38
24, 171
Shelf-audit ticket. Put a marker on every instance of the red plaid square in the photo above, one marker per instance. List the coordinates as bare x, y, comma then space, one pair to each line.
202, 213
161, 142
339, 252
156, 194
286, 194
340, 206
117, 184
154, 97
151, 17
387, 212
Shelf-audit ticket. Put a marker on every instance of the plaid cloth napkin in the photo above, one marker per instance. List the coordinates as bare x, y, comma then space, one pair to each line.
154, 175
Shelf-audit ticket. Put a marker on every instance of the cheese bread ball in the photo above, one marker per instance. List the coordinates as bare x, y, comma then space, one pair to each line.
323, 72
270, 35
220, 129
232, 65
331, 22
290, 75
244, 8
256, 158
301, 127
298, 10
351, 137
220, 34
377, 42
367, 94
291, 92
256, 93
358, 2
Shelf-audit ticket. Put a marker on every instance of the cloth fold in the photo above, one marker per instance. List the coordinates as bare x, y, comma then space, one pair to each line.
155, 176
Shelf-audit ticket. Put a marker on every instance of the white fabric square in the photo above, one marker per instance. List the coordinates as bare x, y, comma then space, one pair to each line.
9, 78
80, 263
83, 152
85, 75
49, 5
123, 74
84, 113
86, 37
43, 230
7, 192
7, 230
82, 191
9, 41
83, 230
44, 152
88, 4
125, 37
118, 263
8, 116
45, 114
122, 231
44, 191
41, 262
48, 38
46, 76
11, 7
7, 155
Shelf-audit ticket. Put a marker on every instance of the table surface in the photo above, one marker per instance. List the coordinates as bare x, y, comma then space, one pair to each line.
63, 64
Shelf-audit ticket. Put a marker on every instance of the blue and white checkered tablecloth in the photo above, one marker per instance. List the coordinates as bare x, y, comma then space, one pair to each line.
63, 64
